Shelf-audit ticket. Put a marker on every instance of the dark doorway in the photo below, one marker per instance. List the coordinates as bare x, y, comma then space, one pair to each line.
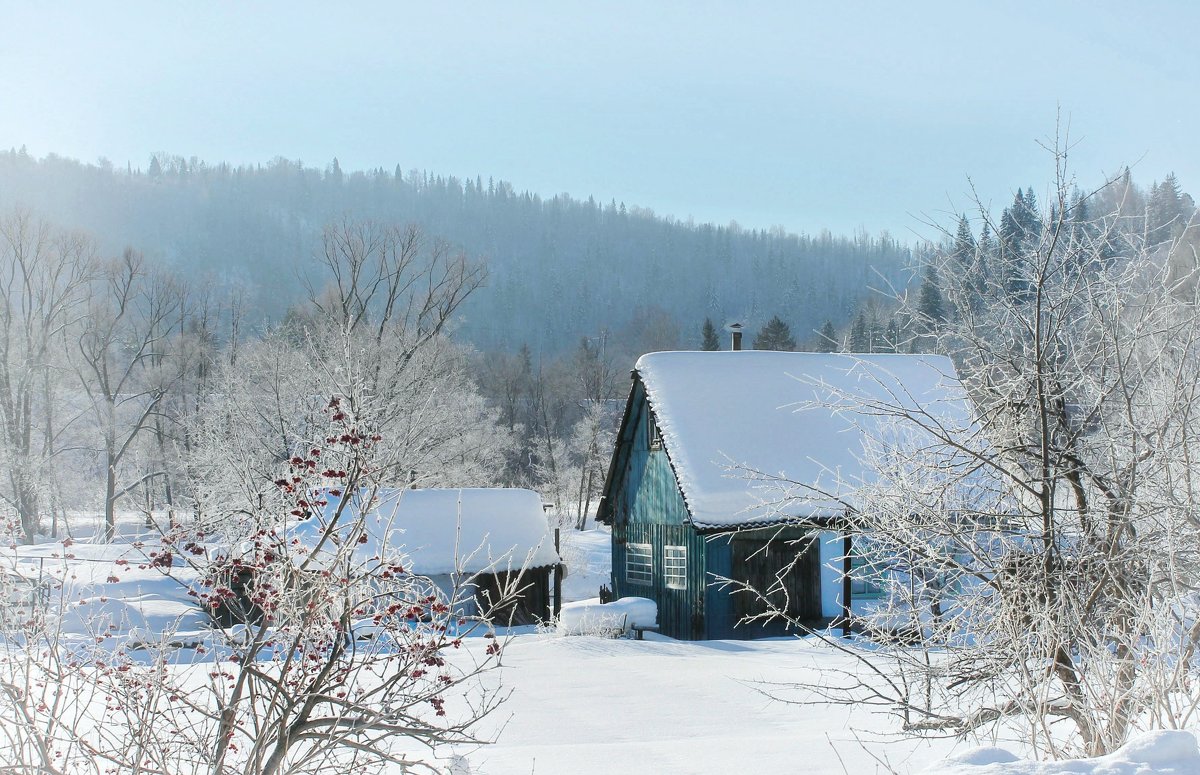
786, 572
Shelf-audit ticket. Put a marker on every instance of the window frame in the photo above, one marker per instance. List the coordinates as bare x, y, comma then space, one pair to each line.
865, 584
653, 436
634, 571
675, 568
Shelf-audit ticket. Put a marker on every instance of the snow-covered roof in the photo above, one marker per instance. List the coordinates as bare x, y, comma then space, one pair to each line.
802, 416
470, 530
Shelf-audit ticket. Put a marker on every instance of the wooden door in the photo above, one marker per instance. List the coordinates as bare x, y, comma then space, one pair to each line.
786, 572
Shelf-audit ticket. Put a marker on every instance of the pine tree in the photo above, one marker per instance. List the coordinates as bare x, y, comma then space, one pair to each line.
709, 340
1020, 234
827, 340
964, 242
930, 304
985, 254
1164, 210
1032, 221
775, 335
860, 338
987, 245
1010, 229
155, 167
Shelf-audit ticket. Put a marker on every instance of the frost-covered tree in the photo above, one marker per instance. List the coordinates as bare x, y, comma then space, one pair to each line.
44, 276
121, 360
374, 336
320, 657
1041, 559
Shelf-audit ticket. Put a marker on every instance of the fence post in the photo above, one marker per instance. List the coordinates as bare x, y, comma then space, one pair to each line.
558, 570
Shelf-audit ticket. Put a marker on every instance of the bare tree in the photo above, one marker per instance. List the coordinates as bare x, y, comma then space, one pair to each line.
44, 276
320, 658
374, 336
121, 365
1040, 560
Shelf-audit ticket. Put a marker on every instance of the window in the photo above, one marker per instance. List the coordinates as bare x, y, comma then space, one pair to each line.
865, 578
639, 564
675, 566
653, 439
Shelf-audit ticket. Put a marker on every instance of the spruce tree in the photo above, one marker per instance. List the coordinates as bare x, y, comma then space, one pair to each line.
1164, 210
709, 340
827, 340
1020, 234
987, 245
775, 335
930, 304
1010, 236
964, 242
860, 338
986, 253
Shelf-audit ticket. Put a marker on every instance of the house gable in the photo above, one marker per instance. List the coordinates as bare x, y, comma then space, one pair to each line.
641, 486
655, 551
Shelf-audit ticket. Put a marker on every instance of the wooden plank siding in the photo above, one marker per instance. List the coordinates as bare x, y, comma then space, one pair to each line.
680, 611
649, 509
644, 505
650, 493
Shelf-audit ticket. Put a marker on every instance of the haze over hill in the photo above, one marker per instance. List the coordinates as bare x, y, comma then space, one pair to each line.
559, 269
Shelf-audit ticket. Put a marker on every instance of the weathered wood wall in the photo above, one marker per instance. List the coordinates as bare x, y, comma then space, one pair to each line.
648, 508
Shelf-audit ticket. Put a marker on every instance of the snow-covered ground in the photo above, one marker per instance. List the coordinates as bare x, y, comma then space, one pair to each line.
1160, 753
594, 705
588, 704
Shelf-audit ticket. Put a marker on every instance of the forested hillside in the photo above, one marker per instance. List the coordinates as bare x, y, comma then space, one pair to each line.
558, 269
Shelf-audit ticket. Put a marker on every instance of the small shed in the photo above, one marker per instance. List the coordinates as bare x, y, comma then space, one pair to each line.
693, 490
475, 540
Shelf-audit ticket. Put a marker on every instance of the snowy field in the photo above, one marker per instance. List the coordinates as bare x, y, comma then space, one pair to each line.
589, 704
593, 705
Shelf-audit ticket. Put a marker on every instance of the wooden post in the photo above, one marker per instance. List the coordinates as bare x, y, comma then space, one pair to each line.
558, 569
847, 565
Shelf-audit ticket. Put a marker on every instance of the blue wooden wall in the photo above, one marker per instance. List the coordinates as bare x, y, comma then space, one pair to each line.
647, 507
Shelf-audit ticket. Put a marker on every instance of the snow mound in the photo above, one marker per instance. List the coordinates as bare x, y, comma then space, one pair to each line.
1169, 746
981, 757
1168, 752
591, 617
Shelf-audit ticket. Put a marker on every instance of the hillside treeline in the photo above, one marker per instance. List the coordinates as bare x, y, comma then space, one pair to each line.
559, 268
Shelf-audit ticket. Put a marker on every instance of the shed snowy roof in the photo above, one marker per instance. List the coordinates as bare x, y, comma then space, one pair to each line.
470, 530
807, 417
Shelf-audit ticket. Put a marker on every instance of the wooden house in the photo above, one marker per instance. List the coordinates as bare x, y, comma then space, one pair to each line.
738, 464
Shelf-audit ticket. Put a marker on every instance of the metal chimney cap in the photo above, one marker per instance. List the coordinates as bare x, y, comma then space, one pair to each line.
734, 327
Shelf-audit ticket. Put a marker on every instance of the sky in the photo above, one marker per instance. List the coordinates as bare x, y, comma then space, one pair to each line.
807, 115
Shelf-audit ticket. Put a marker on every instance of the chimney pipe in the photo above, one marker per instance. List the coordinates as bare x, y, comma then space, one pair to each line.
736, 330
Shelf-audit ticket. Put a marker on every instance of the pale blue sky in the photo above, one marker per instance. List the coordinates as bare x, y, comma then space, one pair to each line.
807, 115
